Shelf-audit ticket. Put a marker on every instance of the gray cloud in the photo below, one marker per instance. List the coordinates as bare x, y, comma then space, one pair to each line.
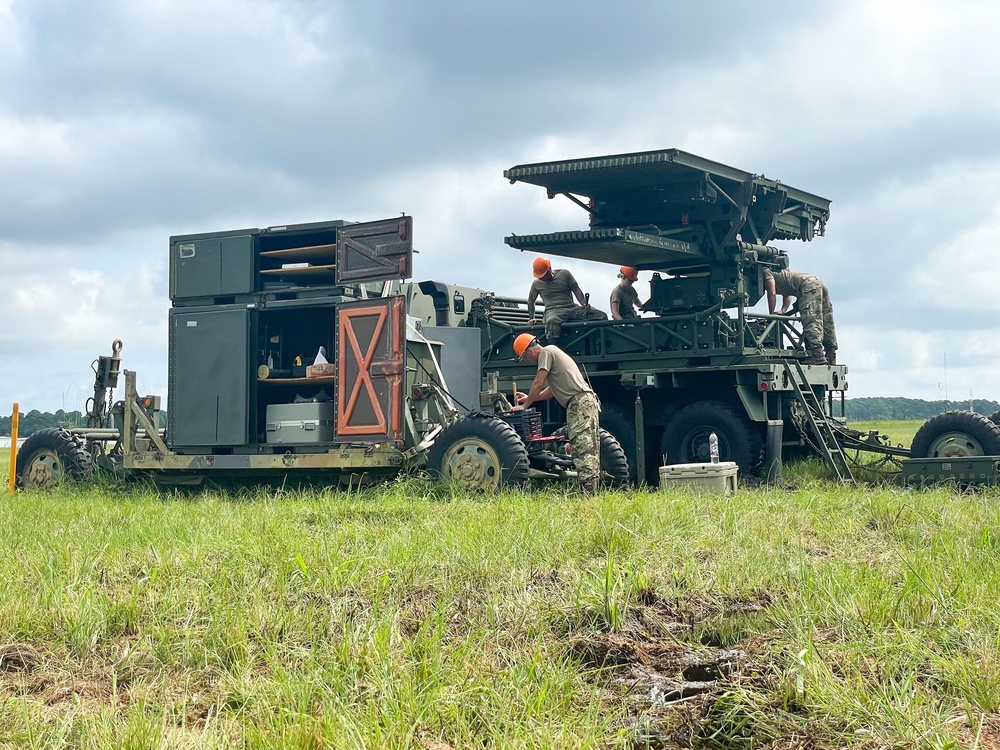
122, 123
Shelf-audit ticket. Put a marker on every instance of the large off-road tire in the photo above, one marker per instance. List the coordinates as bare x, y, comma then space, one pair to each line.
685, 438
50, 457
621, 424
479, 452
615, 471
995, 417
956, 434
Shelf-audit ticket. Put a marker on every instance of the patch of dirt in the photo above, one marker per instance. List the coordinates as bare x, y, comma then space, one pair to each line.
983, 733
544, 580
55, 686
416, 608
668, 677
431, 744
19, 657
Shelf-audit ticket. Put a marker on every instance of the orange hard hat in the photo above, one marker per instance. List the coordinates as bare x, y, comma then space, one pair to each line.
522, 342
629, 273
540, 267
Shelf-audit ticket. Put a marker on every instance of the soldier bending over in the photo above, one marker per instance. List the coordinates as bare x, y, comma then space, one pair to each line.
559, 377
814, 307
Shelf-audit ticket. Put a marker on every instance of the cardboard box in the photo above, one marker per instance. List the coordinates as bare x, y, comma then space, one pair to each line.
321, 371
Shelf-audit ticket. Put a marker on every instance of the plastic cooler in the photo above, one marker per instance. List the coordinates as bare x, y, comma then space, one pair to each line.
716, 478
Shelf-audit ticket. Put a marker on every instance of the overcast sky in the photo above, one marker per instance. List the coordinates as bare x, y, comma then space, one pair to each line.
123, 122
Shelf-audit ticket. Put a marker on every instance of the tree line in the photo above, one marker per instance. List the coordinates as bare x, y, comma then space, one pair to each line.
35, 420
857, 409
896, 408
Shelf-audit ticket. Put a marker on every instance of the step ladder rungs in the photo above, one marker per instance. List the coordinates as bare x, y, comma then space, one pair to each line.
832, 452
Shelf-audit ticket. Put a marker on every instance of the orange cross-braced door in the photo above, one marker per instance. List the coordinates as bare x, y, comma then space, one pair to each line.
370, 350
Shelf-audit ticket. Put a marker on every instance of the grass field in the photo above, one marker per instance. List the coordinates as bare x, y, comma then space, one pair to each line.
411, 616
901, 432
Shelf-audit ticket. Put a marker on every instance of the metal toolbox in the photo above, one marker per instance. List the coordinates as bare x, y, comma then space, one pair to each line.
300, 424
962, 471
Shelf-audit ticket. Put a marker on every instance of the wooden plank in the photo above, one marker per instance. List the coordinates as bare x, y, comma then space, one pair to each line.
323, 273
300, 381
311, 252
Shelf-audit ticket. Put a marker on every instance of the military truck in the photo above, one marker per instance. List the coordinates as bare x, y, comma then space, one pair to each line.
420, 370
292, 353
704, 363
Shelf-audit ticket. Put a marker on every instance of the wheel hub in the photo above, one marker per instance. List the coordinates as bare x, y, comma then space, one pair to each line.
473, 463
955, 445
43, 471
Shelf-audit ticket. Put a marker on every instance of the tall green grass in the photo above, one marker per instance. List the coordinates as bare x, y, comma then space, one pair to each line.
414, 616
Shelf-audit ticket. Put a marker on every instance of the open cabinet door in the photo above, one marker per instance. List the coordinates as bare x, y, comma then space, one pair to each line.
375, 251
370, 350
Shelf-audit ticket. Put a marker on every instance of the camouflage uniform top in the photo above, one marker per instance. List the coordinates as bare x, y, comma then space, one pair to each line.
627, 300
789, 282
557, 292
564, 379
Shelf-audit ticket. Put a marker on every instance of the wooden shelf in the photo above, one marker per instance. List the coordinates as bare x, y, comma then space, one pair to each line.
313, 252
326, 379
309, 273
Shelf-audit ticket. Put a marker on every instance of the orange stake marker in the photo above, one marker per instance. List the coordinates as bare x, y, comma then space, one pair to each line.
13, 449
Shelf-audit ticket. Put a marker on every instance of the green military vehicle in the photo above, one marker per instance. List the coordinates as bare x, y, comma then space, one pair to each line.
705, 363
293, 353
956, 447
419, 372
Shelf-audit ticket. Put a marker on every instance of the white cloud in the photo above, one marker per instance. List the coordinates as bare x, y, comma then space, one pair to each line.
124, 122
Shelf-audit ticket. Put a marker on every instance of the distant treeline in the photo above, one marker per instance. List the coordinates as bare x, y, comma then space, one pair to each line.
36, 420
858, 410
892, 408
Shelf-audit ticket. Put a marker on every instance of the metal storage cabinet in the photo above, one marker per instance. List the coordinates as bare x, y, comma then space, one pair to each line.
209, 373
212, 266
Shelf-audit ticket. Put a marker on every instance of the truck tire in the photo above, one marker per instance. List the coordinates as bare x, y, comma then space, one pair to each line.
995, 417
615, 466
616, 469
621, 424
50, 457
956, 434
479, 452
685, 438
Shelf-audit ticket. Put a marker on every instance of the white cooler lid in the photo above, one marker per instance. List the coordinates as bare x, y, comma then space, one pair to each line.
723, 467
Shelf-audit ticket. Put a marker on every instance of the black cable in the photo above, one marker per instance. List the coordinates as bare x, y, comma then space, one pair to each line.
435, 382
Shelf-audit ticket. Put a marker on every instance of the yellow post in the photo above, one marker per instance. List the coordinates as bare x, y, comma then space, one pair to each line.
13, 449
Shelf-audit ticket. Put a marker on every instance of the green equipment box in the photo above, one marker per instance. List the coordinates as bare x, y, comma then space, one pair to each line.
920, 472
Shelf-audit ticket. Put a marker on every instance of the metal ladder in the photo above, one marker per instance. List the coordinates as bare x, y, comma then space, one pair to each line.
818, 421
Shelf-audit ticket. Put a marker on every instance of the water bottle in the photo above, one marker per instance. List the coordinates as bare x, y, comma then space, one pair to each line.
713, 447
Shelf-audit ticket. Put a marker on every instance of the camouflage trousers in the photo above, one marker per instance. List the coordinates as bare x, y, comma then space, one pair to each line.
582, 414
553, 319
817, 317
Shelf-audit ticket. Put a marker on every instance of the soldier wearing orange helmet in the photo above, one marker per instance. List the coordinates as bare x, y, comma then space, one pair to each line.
559, 377
624, 299
557, 288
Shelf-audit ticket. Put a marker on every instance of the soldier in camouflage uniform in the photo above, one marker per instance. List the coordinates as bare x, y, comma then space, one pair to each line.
814, 307
559, 377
